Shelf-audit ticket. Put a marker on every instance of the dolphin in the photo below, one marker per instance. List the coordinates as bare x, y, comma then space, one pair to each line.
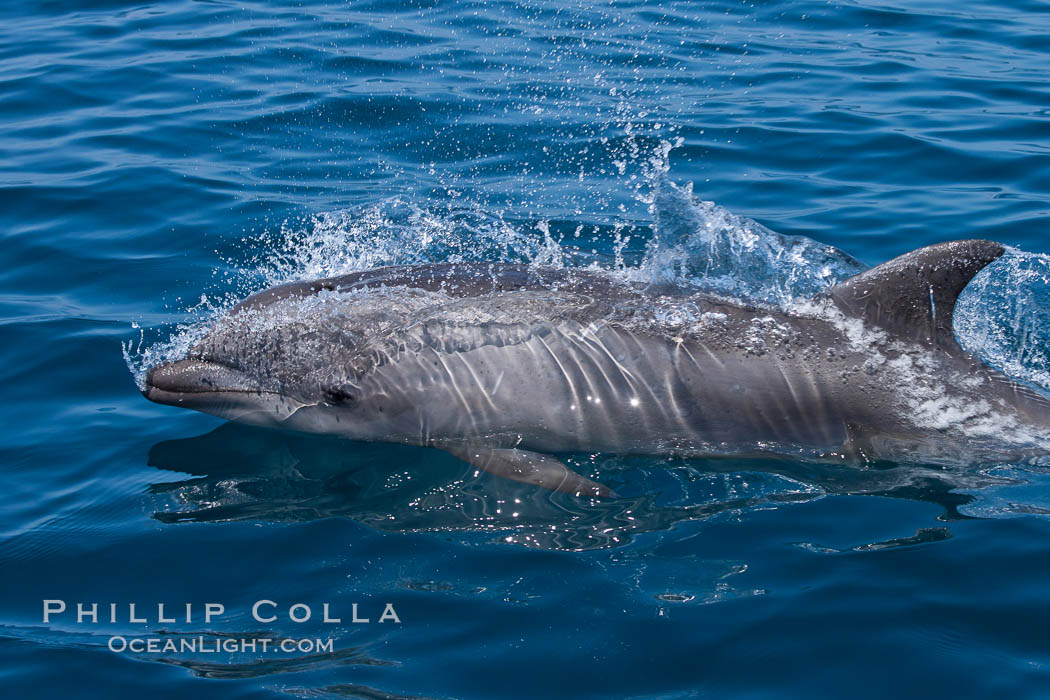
504, 365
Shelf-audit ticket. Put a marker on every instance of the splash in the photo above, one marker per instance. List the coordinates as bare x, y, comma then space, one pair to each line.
394, 232
1003, 316
690, 243
156, 345
701, 244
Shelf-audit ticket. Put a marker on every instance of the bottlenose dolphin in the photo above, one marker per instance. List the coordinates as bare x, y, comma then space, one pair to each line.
504, 364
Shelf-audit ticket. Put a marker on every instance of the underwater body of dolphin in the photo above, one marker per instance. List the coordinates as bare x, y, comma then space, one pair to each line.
503, 364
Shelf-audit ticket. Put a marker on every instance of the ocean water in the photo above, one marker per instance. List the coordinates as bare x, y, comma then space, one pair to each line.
161, 161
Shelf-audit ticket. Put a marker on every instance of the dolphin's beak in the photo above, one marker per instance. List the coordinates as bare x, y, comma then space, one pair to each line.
174, 382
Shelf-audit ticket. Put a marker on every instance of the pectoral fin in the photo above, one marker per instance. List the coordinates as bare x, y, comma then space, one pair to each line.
530, 468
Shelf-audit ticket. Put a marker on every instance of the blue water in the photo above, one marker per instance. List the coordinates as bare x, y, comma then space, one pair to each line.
159, 161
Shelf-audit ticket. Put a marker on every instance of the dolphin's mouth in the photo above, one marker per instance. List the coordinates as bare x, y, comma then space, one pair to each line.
174, 382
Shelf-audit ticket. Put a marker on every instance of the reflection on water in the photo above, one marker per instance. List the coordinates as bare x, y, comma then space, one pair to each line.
246, 473
346, 690
226, 669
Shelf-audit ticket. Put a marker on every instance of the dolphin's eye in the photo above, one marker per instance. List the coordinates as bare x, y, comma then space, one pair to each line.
338, 395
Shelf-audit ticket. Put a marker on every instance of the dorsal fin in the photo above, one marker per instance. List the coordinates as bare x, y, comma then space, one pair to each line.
913, 296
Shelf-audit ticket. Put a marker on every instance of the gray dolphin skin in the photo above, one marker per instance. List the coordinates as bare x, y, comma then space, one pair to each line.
502, 365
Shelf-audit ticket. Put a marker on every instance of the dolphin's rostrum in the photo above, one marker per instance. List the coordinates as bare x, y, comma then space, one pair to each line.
503, 364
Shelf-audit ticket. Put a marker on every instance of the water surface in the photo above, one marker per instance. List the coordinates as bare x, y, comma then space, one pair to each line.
160, 161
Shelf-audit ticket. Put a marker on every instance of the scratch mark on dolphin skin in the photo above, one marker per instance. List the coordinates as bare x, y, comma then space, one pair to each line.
818, 407
719, 363
582, 345
565, 374
625, 372
499, 380
455, 386
593, 397
477, 381
665, 408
